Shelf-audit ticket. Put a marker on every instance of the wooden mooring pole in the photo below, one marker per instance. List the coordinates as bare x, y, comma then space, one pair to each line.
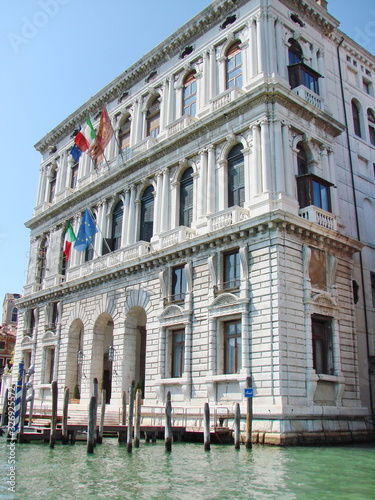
99, 439
137, 418
129, 445
206, 425
237, 421
168, 423
23, 412
92, 425
52, 437
122, 436
64, 436
249, 416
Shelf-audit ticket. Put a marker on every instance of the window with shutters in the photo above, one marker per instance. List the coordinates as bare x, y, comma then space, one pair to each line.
186, 198
236, 177
147, 215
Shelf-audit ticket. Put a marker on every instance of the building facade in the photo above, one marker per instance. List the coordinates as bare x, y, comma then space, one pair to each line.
233, 207
8, 332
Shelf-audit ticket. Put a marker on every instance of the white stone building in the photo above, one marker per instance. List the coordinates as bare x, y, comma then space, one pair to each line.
234, 207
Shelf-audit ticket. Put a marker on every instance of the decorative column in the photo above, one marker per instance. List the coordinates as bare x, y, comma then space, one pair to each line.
332, 178
100, 222
42, 185
211, 181
279, 157
245, 63
157, 206
288, 161
133, 124
206, 79
260, 43
75, 257
322, 82
280, 62
222, 74
265, 154
246, 157
179, 90
164, 226
271, 44
213, 84
130, 237
255, 172
253, 48
125, 218
222, 192
202, 184
163, 106
171, 99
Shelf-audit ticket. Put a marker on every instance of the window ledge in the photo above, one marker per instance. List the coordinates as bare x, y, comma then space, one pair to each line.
172, 381
330, 378
226, 377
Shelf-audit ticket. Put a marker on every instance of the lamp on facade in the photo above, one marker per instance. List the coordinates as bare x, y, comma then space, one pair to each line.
111, 353
80, 357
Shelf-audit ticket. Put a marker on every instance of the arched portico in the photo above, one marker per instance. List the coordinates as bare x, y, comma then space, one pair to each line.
73, 374
102, 360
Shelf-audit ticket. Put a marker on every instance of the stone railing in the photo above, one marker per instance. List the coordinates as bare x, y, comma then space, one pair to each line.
175, 236
225, 97
319, 216
226, 218
179, 124
308, 95
144, 145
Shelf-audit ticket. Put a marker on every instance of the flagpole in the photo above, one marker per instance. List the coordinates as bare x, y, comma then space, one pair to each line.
99, 231
114, 135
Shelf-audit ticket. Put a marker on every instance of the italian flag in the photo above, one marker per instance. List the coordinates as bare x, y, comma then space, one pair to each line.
69, 239
83, 138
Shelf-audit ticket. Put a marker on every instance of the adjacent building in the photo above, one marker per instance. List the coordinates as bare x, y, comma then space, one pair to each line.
234, 208
8, 332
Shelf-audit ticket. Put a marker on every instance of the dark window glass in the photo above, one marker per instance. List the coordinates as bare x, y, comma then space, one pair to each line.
178, 352
322, 345
295, 52
186, 198
41, 262
14, 315
236, 177
52, 187
153, 118
124, 135
371, 125
356, 120
232, 346
178, 283
302, 161
232, 270
190, 95
74, 176
117, 225
314, 191
147, 215
373, 288
234, 66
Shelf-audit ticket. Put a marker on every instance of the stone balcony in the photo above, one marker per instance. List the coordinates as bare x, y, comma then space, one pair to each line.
309, 96
319, 216
176, 236
226, 218
225, 98
180, 124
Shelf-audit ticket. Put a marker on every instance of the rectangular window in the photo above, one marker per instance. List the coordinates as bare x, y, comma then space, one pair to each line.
178, 283
2, 345
178, 352
313, 190
50, 365
74, 176
301, 74
232, 346
231, 270
322, 345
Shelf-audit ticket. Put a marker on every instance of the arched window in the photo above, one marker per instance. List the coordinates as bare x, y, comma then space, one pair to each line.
153, 118
186, 198
371, 125
356, 119
117, 215
294, 52
147, 215
302, 160
236, 177
189, 105
14, 315
124, 135
52, 186
41, 261
234, 66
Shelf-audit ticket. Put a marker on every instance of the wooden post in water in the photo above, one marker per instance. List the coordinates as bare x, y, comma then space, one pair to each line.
96, 396
4, 414
122, 436
237, 420
91, 425
249, 416
52, 437
64, 436
129, 445
168, 423
99, 439
137, 419
22, 412
206, 424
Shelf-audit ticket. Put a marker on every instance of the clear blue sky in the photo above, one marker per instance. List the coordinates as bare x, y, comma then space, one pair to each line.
55, 55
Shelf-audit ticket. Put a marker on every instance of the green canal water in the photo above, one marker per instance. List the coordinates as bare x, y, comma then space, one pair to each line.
188, 472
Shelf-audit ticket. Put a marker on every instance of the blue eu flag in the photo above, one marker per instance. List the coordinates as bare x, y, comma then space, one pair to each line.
86, 232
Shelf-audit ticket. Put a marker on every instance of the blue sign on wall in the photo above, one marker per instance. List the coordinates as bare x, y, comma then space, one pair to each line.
249, 393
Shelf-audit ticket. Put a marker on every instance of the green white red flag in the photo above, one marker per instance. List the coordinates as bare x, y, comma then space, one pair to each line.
69, 239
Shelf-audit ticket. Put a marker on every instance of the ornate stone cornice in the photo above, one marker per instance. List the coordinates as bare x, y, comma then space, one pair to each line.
167, 49
314, 13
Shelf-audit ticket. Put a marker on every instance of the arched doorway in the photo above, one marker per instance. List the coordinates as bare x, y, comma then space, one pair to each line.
75, 357
102, 354
135, 348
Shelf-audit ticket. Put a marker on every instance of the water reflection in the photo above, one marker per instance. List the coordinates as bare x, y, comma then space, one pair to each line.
190, 473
